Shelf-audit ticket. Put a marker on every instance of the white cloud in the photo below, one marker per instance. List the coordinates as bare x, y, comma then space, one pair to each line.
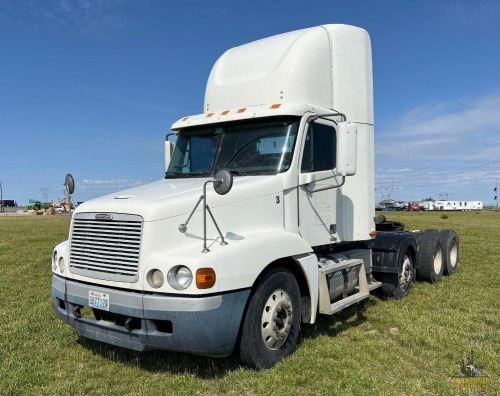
445, 130
452, 118
86, 17
470, 12
452, 146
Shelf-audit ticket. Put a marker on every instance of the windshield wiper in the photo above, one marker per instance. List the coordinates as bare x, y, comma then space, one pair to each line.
186, 175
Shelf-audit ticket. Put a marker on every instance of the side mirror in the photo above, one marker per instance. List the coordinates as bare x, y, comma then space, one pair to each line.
347, 148
169, 149
69, 182
223, 182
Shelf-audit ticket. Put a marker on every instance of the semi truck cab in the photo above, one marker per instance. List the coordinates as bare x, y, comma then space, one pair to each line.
264, 218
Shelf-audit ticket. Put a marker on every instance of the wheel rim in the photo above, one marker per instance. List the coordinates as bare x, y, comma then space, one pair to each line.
276, 319
438, 259
406, 277
454, 254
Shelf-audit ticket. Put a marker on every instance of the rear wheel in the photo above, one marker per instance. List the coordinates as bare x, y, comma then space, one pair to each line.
430, 257
272, 322
450, 244
398, 285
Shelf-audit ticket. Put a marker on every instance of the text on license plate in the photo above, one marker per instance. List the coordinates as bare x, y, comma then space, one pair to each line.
99, 300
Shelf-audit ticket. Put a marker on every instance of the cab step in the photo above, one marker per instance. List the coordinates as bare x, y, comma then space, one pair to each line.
374, 285
345, 302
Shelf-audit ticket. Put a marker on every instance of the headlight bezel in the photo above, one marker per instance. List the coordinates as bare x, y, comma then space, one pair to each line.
155, 278
180, 277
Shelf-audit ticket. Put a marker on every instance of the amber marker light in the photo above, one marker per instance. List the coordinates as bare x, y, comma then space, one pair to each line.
205, 278
225, 112
373, 234
210, 115
275, 106
242, 110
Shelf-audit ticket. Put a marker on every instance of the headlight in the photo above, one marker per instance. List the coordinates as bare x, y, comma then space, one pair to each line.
155, 278
180, 277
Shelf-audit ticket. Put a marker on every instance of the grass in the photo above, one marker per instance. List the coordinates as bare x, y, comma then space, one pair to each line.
408, 347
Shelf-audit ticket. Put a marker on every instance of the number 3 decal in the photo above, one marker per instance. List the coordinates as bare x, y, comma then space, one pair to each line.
277, 199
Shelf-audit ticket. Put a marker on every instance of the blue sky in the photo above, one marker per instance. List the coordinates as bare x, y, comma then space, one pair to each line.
92, 87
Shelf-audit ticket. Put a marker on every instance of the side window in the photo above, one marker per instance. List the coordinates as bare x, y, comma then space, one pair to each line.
319, 148
193, 154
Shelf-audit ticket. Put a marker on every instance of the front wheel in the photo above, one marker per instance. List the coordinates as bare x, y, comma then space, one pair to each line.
272, 322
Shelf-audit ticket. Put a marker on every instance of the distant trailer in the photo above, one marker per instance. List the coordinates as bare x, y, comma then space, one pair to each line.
427, 205
458, 205
8, 203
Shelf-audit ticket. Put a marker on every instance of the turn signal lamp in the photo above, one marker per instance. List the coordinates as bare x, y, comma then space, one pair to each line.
205, 278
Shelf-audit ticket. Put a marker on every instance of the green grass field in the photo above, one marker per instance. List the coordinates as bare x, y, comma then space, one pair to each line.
408, 347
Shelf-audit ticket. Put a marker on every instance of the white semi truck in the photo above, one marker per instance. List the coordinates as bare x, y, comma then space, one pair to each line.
264, 218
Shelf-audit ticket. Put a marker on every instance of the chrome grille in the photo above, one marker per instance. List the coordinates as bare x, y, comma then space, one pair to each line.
106, 246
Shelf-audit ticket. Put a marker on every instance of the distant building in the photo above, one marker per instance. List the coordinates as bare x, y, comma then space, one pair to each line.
457, 205
386, 202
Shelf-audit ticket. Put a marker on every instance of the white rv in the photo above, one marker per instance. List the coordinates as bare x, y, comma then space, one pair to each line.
264, 218
458, 205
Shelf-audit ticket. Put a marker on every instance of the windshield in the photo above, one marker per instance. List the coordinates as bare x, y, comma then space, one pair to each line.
257, 147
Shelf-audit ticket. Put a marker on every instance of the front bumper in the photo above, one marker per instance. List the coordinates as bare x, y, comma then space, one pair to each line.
202, 325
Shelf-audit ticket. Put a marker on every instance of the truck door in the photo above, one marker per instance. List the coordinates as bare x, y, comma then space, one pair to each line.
317, 202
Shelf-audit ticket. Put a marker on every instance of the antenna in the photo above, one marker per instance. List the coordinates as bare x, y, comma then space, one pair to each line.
386, 191
443, 196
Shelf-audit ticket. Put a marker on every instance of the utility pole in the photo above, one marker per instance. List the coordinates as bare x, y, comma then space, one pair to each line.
1, 197
45, 194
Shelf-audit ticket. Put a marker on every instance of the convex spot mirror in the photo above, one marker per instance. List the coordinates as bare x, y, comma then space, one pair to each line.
347, 148
69, 182
223, 182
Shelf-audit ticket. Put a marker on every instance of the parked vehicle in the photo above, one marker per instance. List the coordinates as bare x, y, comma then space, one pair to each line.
8, 203
264, 219
413, 207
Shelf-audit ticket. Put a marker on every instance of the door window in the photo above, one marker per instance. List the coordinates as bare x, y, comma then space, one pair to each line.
319, 148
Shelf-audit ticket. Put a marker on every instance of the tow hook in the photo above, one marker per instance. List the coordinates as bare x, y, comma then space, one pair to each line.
77, 311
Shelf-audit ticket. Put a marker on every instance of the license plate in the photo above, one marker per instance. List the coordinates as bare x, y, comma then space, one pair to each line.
98, 300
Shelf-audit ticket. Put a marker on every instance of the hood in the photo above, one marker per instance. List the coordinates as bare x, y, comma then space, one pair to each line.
172, 197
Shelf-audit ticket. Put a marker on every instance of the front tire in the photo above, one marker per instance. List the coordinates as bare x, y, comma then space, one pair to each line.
272, 322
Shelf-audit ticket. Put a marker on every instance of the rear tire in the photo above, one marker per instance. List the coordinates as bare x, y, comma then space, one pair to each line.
272, 322
430, 257
450, 245
399, 285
